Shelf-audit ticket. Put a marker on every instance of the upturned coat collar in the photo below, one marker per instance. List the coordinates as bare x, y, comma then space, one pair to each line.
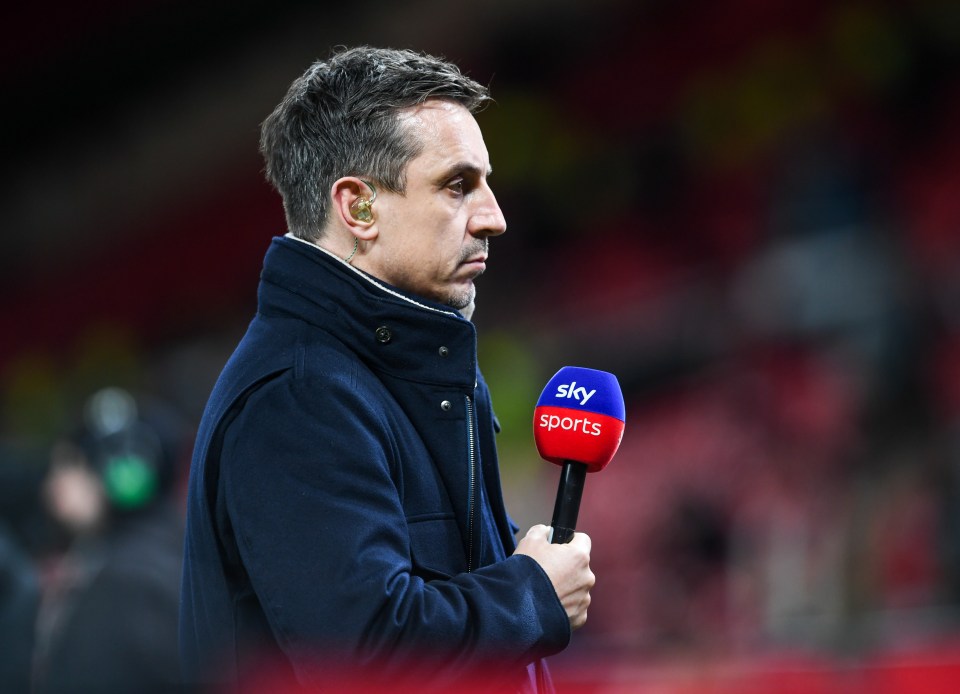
392, 331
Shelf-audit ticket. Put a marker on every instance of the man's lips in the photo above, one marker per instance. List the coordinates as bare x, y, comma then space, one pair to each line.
477, 262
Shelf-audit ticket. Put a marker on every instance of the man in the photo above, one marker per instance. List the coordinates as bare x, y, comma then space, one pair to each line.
345, 515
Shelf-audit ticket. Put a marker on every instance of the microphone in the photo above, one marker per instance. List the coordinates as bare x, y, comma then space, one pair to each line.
577, 424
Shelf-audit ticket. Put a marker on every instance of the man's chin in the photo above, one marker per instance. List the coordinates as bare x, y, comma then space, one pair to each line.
461, 299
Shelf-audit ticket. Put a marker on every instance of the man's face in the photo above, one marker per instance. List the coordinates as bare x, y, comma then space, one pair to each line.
432, 241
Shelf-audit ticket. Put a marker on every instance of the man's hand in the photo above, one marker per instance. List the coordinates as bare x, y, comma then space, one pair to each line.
567, 566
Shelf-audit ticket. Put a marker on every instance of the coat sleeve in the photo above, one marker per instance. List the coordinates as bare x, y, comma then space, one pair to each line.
308, 481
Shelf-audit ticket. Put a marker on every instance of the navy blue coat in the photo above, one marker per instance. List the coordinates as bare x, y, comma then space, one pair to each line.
344, 502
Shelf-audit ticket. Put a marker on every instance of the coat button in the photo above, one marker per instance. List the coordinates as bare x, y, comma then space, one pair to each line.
444, 352
384, 334
445, 405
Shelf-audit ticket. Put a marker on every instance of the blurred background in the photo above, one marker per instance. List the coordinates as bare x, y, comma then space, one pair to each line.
748, 210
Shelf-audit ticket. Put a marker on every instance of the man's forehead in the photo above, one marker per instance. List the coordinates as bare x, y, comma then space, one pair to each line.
446, 131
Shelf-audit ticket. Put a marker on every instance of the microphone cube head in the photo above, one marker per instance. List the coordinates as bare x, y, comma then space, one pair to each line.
580, 417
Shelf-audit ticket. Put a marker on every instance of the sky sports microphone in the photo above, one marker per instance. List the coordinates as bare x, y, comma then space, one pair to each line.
578, 424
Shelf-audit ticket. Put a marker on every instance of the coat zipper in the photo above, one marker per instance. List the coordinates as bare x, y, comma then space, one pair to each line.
472, 483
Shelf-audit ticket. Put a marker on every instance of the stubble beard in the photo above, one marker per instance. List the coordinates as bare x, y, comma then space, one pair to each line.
462, 299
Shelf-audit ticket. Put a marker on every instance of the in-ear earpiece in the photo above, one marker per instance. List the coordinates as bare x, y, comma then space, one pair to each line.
360, 208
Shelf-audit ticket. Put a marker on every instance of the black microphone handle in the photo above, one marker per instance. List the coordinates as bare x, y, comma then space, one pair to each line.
567, 506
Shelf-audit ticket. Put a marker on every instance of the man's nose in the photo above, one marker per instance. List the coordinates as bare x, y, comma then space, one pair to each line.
488, 219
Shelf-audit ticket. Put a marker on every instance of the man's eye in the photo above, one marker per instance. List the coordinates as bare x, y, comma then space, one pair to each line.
456, 186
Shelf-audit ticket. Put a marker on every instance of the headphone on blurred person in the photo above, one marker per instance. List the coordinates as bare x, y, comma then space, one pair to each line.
126, 452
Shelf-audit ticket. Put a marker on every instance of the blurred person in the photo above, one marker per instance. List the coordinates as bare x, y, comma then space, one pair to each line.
108, 618
345, 515
24, 532
19, 600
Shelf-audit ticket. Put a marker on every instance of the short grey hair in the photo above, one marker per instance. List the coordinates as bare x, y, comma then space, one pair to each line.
340, 118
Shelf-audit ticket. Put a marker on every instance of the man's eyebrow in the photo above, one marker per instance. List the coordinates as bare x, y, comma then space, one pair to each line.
465, 167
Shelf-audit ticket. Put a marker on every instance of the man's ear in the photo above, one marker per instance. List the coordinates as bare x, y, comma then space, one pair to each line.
353, 206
